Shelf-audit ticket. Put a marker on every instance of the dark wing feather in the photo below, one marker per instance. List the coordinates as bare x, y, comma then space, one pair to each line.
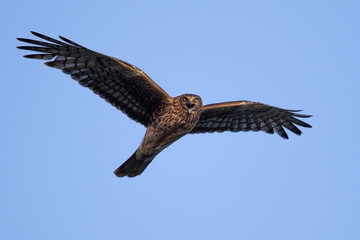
248, 116
123, 85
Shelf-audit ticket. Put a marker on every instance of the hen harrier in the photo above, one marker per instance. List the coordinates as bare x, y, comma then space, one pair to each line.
167, 119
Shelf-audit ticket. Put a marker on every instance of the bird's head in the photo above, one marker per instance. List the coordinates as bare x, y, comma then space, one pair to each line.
190, 102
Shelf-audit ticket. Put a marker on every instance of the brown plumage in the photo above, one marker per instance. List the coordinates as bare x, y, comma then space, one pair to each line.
167, 119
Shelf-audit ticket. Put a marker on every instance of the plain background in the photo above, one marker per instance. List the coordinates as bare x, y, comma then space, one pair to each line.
60, 143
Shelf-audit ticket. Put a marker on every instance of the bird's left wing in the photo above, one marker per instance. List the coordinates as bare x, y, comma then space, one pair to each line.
248, 116
121, 84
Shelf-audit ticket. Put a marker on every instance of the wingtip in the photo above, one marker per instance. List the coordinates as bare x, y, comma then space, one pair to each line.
306, 125
70, 42
22, 47
283, 134
301, 115
64, 38
21, 39
35, 33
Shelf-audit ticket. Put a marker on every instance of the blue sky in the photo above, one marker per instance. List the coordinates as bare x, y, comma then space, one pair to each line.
60, 143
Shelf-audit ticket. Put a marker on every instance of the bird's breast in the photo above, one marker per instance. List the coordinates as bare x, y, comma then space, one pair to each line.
167, 124
173, 118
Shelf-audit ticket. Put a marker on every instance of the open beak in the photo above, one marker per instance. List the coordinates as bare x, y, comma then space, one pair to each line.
190, 106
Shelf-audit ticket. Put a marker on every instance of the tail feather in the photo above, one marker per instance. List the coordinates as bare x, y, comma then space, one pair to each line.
132, 167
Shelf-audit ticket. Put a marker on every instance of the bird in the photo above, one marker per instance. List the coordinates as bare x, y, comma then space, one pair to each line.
166, 118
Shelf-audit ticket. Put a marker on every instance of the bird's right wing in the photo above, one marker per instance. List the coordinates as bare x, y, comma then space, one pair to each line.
248, 116
123, 85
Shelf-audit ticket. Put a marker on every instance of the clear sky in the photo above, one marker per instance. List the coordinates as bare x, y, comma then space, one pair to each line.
60, 143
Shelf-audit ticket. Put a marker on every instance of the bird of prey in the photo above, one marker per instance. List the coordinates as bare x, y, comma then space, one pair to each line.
166, 118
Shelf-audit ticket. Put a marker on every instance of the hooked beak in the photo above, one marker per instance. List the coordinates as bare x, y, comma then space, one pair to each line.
190, 106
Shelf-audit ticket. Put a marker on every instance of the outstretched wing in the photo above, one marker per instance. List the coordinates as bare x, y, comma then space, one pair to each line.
248, 116
123, 85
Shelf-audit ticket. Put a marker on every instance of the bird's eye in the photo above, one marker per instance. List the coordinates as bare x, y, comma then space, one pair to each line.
184, 99
196, 100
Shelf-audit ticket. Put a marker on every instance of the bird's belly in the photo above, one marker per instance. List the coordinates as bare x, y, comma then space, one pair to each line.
156, 139
162, 132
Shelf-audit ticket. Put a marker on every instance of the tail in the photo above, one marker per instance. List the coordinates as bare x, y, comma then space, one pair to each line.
132, 167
